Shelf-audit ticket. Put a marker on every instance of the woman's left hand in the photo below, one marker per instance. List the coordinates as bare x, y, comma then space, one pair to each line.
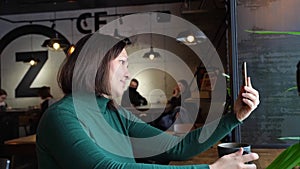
247, 101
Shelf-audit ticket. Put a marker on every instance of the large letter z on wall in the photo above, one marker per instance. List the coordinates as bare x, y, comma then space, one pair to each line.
36, 61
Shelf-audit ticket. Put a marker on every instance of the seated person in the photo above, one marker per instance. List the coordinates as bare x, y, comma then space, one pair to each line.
132, 97
47, 98
175, 108
180, 92
3, 104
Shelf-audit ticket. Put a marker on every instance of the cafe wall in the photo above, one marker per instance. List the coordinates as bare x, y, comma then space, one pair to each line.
13, 70
268, 40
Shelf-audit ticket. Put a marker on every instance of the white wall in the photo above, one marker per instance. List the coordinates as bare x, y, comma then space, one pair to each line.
158, 77
155, 85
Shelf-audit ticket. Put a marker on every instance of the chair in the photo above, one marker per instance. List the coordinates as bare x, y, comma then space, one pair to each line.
24, 121
8, 127
4, 163
29, 121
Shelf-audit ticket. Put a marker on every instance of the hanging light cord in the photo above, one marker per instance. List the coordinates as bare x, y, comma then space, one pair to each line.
72, 30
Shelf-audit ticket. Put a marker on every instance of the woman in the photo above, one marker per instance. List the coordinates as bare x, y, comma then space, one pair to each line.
86, 129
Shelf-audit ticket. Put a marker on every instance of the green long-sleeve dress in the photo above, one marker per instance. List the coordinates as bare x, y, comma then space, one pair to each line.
74, 133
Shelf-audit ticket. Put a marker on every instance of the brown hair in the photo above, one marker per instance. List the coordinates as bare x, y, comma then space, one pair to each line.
44, 92
3, 92
92, 45
65, 74
103, 72
136, 81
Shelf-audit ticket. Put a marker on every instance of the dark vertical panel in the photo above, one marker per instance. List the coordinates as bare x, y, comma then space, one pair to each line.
234, 62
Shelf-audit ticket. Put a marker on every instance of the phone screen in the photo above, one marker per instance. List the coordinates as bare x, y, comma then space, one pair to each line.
245, 73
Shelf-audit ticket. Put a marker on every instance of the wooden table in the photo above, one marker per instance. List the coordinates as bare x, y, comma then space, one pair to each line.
266, 156
22, 140
21, 152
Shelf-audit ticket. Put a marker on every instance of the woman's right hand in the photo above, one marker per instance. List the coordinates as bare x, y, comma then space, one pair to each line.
247, 101
235, 161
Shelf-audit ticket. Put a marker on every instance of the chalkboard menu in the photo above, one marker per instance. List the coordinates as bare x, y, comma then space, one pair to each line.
270, 44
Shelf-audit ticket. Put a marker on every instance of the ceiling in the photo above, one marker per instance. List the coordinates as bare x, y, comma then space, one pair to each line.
209, 15
32, 6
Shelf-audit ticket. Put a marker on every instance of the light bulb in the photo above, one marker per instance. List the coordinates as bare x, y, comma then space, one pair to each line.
190, 38
32, 62
71, 50
56, 45
151, 56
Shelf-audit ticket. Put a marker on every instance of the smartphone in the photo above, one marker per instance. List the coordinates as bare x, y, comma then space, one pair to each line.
245, 73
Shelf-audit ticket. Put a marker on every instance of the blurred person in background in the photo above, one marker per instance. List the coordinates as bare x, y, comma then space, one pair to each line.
46, 98
132, 97
3, 104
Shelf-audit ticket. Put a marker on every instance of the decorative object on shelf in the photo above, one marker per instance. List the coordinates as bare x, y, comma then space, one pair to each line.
209, 81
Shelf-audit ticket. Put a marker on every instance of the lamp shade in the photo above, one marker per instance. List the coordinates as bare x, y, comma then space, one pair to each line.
191, 37
55, 43
151, 54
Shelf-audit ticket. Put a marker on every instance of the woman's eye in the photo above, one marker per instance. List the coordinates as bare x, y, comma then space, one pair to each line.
122, 62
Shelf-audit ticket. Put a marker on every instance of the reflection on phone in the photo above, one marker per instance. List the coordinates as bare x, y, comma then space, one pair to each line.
245, 73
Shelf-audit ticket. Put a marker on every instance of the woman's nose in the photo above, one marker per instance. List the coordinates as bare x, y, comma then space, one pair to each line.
127, 74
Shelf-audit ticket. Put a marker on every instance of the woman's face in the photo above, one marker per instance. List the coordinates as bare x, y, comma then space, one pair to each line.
118, 74
181, 87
